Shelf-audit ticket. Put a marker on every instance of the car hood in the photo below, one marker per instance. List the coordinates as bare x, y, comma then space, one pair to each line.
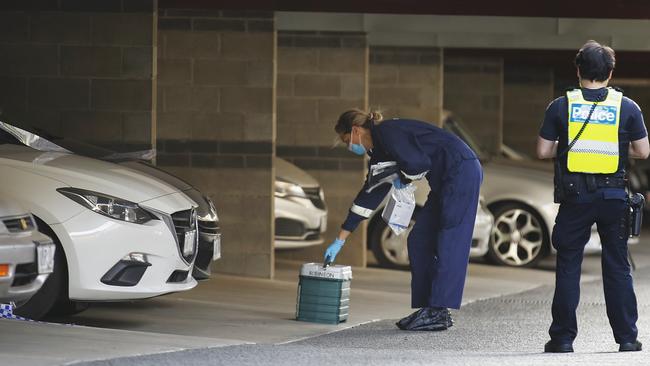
521, 171
538, 165
86, 173
157, 173
9, 208
288, 172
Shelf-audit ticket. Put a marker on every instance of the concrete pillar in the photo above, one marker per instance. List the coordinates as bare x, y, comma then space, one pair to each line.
216, 122
79, 69
320, 75
406, 82
473, 91
526, 93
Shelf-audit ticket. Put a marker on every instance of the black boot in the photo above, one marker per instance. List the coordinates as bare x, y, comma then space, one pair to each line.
430, 319
552, 347
404, 322
630, 347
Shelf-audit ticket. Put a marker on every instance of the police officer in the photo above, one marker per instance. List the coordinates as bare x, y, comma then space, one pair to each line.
592, 131
440, 241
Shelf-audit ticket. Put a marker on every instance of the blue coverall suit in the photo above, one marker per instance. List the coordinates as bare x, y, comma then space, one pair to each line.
608, 208
440, 241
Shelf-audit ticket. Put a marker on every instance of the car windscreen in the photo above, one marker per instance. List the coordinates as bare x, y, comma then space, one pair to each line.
457, 129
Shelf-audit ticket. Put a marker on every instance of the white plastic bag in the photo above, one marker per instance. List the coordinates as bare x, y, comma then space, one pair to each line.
399, 208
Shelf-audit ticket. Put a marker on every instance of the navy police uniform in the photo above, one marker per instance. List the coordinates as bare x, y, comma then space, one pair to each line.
440, 241
607, 207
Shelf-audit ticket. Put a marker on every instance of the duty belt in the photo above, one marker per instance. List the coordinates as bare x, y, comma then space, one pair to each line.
594, 182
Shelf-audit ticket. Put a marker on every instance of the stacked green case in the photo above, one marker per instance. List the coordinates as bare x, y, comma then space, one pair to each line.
323, 294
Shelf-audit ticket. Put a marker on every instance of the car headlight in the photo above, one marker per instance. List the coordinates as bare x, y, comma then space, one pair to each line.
110, 206
213, 209
286, 189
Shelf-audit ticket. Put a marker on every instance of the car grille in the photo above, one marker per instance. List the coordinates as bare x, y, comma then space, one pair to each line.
209, 227
19, 224
185, 221
314, 195
294, 230
25, 274
289, 228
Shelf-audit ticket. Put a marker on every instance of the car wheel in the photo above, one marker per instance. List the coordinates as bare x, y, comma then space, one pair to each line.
52, 298
390, 250
43, 301
519, 238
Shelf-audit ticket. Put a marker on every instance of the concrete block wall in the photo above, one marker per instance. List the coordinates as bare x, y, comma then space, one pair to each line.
473, 91
79, 69
406, 82
216, 122
526, 93
320, 75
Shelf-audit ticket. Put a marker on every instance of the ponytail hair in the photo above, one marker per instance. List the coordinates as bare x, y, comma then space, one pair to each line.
356, 117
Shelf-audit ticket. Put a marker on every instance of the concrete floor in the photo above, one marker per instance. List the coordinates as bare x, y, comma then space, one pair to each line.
230, 310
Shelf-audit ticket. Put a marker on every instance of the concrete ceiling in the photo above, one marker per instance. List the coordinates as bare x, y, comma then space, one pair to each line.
616, 9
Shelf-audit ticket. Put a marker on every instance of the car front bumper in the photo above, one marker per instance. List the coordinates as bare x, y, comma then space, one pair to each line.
482, 231
24, 279
95, 244
298, 223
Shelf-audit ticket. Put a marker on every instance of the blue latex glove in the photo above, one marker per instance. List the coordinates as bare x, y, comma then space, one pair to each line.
333, 250
397, 183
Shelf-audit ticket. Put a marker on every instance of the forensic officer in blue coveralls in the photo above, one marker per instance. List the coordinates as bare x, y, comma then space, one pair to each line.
592, 131
440, 241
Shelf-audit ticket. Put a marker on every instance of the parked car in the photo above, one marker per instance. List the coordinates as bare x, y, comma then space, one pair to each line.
391, 250
209, 249
120, 234
300, 210
519, 193
26, 255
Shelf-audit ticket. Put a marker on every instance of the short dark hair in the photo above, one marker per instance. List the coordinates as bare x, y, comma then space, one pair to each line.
595, 61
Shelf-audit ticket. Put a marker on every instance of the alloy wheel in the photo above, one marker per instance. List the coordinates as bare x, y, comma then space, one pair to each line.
517, 237
394, 247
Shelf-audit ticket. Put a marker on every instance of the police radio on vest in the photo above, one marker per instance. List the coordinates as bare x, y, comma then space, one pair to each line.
602, 114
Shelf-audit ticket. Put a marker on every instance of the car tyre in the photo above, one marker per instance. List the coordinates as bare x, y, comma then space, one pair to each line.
52, 298
519, 237
389, 249
43, 301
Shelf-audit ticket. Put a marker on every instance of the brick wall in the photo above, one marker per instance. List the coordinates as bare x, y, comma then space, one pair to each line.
406, 82
526, 93
79, 69
320, 75
473, 91
216, 122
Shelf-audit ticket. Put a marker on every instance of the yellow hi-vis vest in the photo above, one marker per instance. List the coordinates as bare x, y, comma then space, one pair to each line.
596, 151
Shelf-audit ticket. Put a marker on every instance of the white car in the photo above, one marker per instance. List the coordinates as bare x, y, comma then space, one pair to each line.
391, 251
26, 255
300, 210
121, 234
519, 193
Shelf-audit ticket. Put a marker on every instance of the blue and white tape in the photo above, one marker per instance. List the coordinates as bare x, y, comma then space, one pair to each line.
7, 312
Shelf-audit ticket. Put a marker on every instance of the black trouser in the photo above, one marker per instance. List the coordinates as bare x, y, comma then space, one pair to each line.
570, 235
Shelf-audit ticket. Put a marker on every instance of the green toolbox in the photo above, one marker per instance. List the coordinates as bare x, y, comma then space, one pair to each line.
323, 293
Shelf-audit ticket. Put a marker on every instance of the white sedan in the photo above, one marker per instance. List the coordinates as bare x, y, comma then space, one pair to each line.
121, 234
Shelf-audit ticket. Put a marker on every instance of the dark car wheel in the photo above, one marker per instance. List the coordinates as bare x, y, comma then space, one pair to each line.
519, 236
390, 250
43, 301
52, 298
